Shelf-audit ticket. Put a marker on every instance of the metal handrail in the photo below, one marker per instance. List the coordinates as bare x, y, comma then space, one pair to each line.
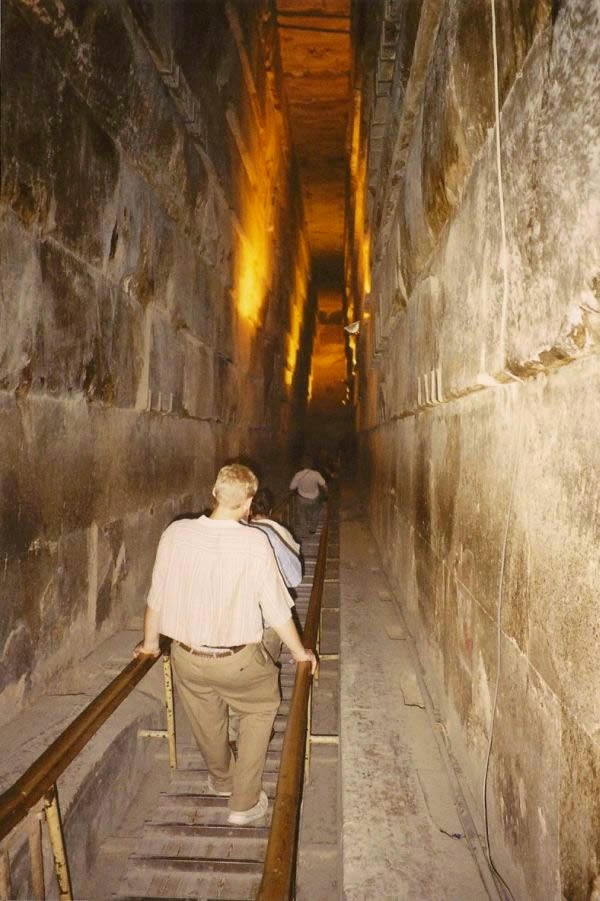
280, 860
36, 790
38, 783
17, 801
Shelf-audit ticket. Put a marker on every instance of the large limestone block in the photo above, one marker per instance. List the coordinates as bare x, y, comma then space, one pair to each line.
458, 98
188, 298
69, 464
415, 236
524, 782
227, 390
165, 363
107, 63
44, 621
24, 585
553, 572
198, 384
65, 328
48, 466
471, 470
580, 809
549, 178
564, 232
60, 168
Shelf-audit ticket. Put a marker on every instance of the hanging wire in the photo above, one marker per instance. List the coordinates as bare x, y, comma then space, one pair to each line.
517, 453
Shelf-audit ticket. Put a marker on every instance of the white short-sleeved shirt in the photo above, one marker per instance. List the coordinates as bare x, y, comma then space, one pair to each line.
307, 483
213, 583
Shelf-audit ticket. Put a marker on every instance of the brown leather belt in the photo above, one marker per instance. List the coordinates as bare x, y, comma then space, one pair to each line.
218, 652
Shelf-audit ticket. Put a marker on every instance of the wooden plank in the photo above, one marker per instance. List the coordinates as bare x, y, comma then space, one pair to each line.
197, 864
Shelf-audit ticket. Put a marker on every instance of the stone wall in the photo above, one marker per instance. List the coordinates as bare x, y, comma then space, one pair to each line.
479, 408
153, 261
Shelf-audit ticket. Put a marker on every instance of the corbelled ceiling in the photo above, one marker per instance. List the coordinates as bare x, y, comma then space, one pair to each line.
315, 51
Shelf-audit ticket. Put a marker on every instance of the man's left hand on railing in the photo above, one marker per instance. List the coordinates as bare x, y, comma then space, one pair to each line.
150, 645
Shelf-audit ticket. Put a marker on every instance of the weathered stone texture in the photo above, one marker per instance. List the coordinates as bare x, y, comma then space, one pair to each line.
484, 487
579, 810
126, 355
524, 785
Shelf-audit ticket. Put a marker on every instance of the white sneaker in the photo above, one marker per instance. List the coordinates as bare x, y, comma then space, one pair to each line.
215, 791
243, 817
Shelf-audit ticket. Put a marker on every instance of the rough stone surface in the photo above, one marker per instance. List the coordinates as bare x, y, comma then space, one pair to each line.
153, 254
402, 835
479, 410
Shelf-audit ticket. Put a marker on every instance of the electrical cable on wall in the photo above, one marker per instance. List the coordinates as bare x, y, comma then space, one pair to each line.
517, 449
499, 600
504, 253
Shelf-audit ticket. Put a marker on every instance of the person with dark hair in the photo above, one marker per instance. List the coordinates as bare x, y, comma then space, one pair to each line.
285, 547
262, 503
286, 550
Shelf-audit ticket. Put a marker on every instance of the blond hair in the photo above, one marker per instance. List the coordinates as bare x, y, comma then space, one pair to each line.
235, 484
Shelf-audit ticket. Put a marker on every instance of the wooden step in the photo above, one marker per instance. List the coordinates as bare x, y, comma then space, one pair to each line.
198, 812
156, 878
189, 796
203, 842
191, 759
196, 780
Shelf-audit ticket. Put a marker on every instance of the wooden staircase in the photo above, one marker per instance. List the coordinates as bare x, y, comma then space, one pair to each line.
186, 848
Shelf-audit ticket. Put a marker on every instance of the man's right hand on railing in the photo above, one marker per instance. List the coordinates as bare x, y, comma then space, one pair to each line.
307, 656
289, 635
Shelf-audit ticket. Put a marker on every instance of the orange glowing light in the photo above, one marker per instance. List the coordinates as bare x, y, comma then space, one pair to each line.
257, 230
366, 264
297, 310
358, 280
252, 269
355, 142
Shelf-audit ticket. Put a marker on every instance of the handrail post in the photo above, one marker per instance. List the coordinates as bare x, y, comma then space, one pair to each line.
61, 864
318, 646
308, 750
5, 880
168, 733
171, 735
36, 855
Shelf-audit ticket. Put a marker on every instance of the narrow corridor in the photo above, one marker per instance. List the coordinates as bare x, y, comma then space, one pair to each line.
365, 232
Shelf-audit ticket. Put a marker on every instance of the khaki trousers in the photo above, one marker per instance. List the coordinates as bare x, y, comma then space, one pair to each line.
272, 644
248, 683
